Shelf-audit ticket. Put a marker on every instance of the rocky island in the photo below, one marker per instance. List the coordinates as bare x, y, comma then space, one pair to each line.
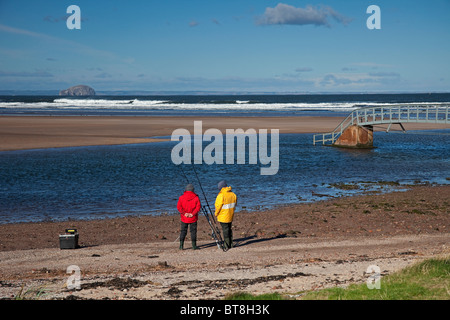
80, 90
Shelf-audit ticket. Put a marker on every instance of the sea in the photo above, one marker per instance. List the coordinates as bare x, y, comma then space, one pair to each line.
97, 182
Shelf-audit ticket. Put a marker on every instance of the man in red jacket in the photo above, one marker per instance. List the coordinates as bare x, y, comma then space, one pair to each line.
189, 206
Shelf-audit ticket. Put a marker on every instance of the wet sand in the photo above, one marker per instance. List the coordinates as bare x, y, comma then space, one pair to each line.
35, 132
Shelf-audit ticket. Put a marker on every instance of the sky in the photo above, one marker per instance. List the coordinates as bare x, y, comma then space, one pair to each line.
288, 46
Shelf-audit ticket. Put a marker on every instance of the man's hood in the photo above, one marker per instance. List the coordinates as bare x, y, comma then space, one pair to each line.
189, 195
226, 189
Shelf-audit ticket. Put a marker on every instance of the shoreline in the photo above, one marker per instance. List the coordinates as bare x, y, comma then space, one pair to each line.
41, 132
336, 217
287, 250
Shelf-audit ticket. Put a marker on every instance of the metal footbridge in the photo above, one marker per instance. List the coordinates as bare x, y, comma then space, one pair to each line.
388, 114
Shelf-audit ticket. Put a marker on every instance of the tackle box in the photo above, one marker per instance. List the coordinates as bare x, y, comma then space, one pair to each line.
69, 240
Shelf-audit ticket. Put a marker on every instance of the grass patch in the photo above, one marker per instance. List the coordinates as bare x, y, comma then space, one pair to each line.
34, 293
427, 280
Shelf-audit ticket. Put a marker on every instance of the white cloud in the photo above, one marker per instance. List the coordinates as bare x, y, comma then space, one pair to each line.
304, 69
360, 79
68, 44
193, 23
12, 30
384, 74
287, 14
37, 73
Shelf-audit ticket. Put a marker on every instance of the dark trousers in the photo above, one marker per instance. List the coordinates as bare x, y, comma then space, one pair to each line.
184, 228
227, 234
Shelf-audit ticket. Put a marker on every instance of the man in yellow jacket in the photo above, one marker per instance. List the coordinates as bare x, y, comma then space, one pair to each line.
225, 205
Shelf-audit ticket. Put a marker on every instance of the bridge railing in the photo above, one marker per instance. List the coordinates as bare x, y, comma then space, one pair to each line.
388, 114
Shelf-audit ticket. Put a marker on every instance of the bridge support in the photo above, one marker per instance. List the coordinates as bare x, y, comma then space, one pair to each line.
355, 136
401, 126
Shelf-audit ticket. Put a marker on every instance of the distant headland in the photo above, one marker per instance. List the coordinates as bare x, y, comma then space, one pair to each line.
80, 90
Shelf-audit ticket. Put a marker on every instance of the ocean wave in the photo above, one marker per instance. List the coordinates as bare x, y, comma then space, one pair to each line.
237, 105
106, 103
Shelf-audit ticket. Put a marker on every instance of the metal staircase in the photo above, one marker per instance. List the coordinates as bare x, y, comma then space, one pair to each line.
388, 114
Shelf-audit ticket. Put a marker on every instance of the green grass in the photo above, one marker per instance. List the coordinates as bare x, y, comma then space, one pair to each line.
34, 293
428, 280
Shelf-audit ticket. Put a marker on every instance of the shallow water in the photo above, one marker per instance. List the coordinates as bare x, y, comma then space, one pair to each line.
111, 181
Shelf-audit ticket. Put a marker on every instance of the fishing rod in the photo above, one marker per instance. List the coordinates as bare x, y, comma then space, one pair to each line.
210, 217
215, 232
184, 174
207, 213
203, 191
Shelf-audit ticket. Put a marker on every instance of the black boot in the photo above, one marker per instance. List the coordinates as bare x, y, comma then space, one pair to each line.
228, 243
181, 244
194, 245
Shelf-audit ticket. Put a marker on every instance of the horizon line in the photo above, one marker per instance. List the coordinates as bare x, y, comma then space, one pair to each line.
210, 92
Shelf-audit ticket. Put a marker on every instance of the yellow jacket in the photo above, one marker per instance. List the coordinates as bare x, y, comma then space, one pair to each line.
225, 205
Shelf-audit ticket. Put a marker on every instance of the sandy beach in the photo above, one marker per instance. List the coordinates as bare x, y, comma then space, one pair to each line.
290, 250
34, 132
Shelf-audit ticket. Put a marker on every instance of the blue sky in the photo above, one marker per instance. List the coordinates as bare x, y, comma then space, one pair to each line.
226, 45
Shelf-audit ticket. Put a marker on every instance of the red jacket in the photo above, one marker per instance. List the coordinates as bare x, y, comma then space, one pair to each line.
189, 203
